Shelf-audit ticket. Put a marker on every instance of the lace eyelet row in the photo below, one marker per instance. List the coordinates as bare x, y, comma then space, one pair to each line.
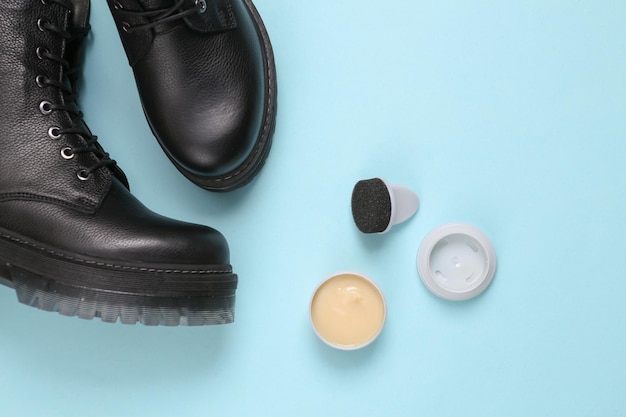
54, 132
46, 107
119, 6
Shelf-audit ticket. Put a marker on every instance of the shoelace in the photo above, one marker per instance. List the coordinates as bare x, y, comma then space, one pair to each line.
160, 16
70, 96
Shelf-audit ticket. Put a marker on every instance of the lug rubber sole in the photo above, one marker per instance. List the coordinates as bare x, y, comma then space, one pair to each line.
166, 295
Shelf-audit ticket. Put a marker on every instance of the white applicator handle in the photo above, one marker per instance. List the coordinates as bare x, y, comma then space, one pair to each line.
404, 203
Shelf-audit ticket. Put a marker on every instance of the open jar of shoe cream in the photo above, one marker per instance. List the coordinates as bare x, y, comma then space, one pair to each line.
348, 311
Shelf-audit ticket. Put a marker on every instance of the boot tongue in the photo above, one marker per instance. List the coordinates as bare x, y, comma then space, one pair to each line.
80, 15
157, 4
217, 17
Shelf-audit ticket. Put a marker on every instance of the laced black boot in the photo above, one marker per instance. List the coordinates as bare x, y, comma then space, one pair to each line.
207, 81
72, 237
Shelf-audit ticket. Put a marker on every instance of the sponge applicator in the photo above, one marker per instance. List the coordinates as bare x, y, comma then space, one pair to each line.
378, 205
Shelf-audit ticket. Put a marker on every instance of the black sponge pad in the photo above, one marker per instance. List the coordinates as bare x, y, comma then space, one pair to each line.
371, 206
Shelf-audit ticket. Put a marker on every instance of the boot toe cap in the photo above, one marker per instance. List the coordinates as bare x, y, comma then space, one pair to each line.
210, 99
215, 142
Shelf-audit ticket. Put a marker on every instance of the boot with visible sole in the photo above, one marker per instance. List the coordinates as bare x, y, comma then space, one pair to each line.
206, 78
72, 237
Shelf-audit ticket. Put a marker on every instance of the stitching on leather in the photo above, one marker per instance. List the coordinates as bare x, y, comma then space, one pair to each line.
271, 82
120, 267
34, 197
229, 11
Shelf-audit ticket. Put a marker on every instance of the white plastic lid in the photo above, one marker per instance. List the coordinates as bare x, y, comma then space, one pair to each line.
456, 261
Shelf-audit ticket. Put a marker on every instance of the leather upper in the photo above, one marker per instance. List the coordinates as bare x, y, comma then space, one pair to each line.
123, 229
26, 150
42, 199
202, 82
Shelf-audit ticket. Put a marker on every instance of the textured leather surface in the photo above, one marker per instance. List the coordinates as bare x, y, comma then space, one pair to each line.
123, 229
41, 198
204, 93
27, 153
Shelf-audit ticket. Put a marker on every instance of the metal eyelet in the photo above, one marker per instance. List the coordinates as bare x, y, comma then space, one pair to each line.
45, 107
118, 5
45, 2
41, 81
40, 23
67, 153
202, 4
41, 52
83, 175
54, 133
125, 26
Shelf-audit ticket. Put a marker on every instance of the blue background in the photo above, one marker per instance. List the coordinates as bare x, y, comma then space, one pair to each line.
507, 115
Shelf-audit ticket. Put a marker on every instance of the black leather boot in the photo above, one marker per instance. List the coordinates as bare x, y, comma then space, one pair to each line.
72, 237
207, 82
